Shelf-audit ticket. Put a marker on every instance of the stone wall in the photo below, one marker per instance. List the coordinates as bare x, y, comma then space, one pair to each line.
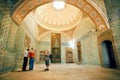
113, 12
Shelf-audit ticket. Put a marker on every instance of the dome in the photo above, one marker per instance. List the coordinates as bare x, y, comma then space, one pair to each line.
52, 19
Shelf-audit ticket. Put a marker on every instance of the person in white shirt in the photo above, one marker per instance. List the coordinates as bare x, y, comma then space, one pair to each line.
25, 60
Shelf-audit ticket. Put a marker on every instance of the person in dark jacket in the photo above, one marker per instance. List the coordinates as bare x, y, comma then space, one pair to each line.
47, 60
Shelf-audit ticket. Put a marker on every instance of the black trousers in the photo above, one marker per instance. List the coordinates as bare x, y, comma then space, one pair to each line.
47, 62
25, 60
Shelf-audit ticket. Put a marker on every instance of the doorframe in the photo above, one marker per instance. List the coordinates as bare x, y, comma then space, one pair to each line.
79, 48
67, 50
108, 54
107, 36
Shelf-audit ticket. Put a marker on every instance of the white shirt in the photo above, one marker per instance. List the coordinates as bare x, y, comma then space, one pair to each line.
26, 54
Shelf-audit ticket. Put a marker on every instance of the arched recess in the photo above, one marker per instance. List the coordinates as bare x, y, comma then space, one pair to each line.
86, 6
108, 55
107, 50
79, 52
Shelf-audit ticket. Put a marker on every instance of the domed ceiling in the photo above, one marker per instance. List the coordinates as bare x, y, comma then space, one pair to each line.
52, 19
42, 18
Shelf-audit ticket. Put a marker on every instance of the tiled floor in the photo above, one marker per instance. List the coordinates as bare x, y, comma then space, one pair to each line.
64, 72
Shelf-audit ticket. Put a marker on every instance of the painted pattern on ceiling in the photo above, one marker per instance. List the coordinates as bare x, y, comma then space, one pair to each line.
84, 5
50, 18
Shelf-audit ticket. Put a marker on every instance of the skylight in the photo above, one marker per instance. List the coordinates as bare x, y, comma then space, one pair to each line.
58, 4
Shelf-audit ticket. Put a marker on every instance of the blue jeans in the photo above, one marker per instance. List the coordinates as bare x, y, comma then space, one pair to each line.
31, 63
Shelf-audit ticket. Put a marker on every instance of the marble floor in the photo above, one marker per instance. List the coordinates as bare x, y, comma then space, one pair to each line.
64, 72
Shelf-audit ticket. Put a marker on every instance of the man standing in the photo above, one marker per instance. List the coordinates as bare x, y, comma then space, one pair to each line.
25, 60
31, 59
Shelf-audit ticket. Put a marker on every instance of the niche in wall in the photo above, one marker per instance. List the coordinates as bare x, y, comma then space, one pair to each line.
69, 55
56, 47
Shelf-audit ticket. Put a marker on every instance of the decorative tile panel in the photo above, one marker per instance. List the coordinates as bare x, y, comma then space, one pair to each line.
93, 14
98, 21
38, 1
87, 8
72, 1
30, 5
5, 26
80, 4
101, 27
11, 37
23, 11
7, 41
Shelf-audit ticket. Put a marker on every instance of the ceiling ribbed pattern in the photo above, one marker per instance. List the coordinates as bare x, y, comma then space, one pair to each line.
50, 18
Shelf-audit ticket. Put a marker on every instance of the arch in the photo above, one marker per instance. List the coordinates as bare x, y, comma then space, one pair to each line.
85, 5
104, 37
49, 32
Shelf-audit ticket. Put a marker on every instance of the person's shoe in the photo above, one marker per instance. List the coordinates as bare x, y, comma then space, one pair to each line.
46, 69
29, 70
23, 70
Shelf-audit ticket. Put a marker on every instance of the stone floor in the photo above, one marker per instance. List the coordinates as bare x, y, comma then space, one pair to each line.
64, 72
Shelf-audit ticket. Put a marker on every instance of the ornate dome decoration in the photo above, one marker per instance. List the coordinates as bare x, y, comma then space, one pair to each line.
87, 6
52, 19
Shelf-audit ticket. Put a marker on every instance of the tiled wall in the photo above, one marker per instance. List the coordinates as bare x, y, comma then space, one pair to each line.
11, 41
89, 50
4, 31
113, 12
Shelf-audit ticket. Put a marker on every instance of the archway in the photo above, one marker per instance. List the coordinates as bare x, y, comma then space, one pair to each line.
108, 56
79, 52
56, 47
20, 12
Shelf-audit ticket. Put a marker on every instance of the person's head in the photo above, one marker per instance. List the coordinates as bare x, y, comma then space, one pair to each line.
27, 49
31, 48
46, 55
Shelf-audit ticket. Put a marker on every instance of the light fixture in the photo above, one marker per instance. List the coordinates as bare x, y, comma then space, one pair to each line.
58, 4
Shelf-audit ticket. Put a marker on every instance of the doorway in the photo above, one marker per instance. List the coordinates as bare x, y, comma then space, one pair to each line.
56, 47
108, 56
69, 55
79, 52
